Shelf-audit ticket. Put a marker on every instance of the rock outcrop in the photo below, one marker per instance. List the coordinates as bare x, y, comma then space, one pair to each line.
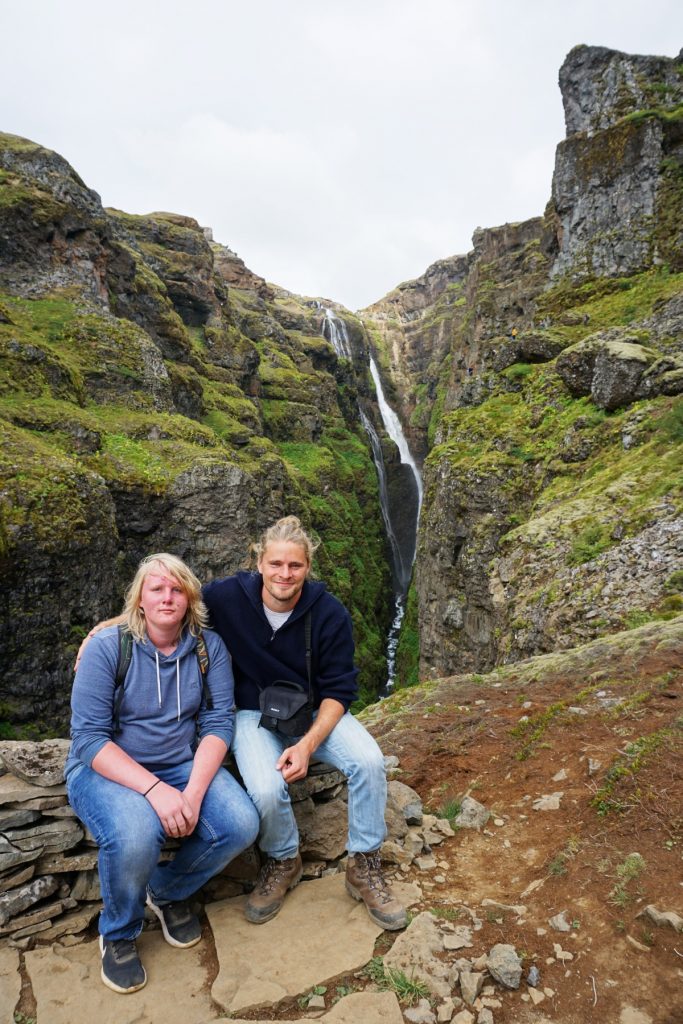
552, 415
156, 394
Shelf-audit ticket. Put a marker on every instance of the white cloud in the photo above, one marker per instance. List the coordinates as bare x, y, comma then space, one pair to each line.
339, 146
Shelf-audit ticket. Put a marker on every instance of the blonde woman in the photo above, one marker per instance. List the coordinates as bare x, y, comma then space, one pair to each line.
145, 763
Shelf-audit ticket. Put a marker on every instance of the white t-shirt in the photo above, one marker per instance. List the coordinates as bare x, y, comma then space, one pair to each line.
276, 619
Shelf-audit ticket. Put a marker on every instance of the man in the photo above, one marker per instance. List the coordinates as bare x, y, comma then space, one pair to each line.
261, 617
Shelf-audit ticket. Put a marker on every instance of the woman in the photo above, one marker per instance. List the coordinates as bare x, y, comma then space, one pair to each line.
145, 764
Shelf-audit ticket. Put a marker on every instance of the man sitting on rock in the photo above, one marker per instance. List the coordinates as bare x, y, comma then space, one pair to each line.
262, 619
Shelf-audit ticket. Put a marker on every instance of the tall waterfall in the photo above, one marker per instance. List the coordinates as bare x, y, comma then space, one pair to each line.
334, 329
409, 514
393, 427
400, 498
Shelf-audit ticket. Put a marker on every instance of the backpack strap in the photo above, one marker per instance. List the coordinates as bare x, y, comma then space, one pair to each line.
203, 659
123, 661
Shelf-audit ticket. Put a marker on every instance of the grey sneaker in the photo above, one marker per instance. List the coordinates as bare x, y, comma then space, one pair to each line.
122, 970
366, 883
180, 926
273, 883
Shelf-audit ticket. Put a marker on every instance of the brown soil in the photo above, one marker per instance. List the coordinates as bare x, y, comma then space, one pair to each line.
466, 735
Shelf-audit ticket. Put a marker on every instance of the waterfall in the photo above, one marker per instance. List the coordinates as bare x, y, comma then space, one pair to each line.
406, 557
393, 427
334, 329
401, 504
401, 570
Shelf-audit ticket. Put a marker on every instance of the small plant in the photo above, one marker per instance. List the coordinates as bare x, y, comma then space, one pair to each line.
450, 810
647, 937
317, 990
409, 990
447, 913
375, 970
589, 543
558, 865
630, 868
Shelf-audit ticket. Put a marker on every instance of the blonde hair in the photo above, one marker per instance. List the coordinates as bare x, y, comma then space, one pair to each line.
196, 616
286, 531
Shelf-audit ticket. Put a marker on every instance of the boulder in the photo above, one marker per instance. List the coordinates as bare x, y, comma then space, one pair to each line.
504, 965
472, 814
619, 366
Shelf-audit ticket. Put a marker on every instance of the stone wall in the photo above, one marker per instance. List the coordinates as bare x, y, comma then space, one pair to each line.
49, 886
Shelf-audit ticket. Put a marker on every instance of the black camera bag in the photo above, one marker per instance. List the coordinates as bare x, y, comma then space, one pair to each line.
286, 707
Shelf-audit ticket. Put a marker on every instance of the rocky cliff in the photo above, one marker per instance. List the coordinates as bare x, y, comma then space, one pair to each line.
155, 394
542, 373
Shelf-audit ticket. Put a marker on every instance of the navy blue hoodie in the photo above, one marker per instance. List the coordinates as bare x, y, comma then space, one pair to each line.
260, 656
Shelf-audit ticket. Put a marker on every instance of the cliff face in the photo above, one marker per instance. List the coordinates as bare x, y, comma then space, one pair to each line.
155, 394
552, 506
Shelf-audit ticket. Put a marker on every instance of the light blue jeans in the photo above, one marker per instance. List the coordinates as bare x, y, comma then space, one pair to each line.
130, 836
349, 747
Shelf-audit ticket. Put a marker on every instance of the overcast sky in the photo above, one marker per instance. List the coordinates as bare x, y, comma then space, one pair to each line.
339, 146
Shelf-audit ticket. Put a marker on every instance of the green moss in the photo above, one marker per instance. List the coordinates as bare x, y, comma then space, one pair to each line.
613, 794
408, 650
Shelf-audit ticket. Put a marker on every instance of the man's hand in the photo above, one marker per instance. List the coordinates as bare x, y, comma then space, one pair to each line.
90, 635
176, 813
293, 762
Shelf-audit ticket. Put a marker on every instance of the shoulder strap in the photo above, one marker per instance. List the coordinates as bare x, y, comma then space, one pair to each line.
307, 631
203, 659
125, 653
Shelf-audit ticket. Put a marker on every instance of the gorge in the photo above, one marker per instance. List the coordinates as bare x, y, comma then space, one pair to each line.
157, 394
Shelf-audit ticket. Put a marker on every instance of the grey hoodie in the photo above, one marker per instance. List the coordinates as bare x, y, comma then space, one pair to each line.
162, 714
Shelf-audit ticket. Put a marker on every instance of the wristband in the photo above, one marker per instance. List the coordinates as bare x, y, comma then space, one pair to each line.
152, 787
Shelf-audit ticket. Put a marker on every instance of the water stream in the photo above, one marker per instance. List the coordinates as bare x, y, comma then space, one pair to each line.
401, 503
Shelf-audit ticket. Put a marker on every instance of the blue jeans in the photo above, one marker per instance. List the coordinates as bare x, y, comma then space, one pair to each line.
349, 747
130, 836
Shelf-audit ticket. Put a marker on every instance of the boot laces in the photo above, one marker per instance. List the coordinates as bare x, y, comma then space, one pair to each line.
376, 880
270, 875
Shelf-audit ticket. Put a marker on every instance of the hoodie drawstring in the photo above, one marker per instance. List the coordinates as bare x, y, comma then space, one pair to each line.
156, 658
177, 682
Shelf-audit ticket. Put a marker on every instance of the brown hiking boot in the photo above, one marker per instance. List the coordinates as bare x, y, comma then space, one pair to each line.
275, 879
365, 881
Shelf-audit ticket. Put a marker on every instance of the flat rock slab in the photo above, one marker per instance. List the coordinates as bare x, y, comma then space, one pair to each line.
14, 790
10, 983
68, 988
41, 763
319, 933
365, 1007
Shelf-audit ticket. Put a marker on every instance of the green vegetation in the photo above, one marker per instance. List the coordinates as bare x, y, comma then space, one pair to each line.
407, 990
533, 728
628, 871
618, 792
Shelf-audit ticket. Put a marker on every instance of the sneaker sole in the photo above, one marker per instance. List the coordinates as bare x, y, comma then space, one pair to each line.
387, 925
117, 988
167, 935
274, 913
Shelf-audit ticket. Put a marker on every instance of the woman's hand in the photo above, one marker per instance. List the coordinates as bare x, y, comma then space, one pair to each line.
177, 815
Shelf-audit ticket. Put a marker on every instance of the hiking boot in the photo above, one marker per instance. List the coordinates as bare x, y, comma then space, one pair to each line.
365, 881
180, 926
121, 967
275, 879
